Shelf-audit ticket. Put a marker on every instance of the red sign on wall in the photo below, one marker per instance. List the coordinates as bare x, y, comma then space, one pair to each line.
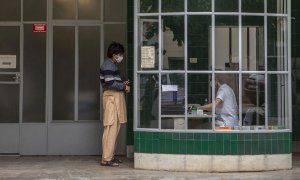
39, 27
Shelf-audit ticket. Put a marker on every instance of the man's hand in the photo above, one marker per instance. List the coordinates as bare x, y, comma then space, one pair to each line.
208, 107
127, 88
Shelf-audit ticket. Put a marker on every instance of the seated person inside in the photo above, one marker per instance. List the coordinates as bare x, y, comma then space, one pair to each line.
225, 103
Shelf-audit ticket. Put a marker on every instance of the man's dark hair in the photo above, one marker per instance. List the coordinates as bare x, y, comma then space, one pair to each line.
115, 48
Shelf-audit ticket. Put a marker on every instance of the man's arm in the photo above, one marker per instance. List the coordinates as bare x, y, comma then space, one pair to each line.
114, 82
111, 77
208, 107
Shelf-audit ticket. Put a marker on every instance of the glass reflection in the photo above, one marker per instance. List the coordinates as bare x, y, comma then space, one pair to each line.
148, 102
173, 38
35, 10
227, 43
89, 9
172, 5
117, 6
88, 83
277, 101
253, 107
199, 51
9, 103
226, 6
149, 40
34, 68
253, 48
277, 44
148, 6
199, 93
63, 63
10, 45
277, 6
64, 9
256, 6
10, 10
173, 94
199, 5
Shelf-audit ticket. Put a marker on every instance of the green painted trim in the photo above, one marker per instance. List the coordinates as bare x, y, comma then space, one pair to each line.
129, 71
295, 53
212, 143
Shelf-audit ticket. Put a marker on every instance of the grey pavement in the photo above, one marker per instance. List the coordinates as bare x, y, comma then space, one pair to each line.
88, 167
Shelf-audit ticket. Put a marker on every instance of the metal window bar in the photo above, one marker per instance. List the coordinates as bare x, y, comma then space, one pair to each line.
240, 72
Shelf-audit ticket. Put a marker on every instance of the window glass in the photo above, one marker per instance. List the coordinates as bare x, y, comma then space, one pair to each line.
149, 43
277, 6
172, 101
199, 94
253, 46
88, 90
256, 6
10, 10
239, 60
63, 63
10, 95
226, 101
253, 107
277, 101
173, 42
119, 12
10, 45
227, 43
177, 123
34, 90
148, 93
172, 5
199, 43
199, 5
89, 9
148, 6
64, 9
35, 10
172, 94
277, 44
226, 6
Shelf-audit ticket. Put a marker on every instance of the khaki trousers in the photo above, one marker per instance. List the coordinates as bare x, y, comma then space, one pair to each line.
109, 140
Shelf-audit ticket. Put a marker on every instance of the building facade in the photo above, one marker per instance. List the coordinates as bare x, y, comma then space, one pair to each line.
242, 47
50, 52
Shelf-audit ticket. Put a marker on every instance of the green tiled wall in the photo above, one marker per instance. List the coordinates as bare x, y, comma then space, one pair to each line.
212, 143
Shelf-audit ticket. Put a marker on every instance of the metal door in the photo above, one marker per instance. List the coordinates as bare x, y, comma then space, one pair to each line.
74, 126
10, 77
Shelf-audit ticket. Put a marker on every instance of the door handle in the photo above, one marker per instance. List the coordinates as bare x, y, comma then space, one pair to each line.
17, 78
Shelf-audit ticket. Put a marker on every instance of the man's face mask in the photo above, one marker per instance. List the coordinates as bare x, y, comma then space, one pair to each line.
119, 58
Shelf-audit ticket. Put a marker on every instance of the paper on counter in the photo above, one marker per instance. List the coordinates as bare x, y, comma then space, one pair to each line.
169, 88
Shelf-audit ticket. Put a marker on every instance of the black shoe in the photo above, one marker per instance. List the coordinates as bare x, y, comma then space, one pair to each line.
109, 163
116, 160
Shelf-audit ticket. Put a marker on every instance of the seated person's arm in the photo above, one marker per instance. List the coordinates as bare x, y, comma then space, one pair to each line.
208, 107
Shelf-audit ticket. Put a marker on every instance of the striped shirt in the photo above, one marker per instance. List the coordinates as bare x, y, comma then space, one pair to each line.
110, 76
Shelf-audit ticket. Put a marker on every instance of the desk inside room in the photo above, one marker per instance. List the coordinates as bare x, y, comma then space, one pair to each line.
202, 121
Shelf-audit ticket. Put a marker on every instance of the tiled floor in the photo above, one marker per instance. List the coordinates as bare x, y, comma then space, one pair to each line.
87, 167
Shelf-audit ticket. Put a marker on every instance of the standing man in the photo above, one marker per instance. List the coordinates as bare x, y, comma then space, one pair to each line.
114, 107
